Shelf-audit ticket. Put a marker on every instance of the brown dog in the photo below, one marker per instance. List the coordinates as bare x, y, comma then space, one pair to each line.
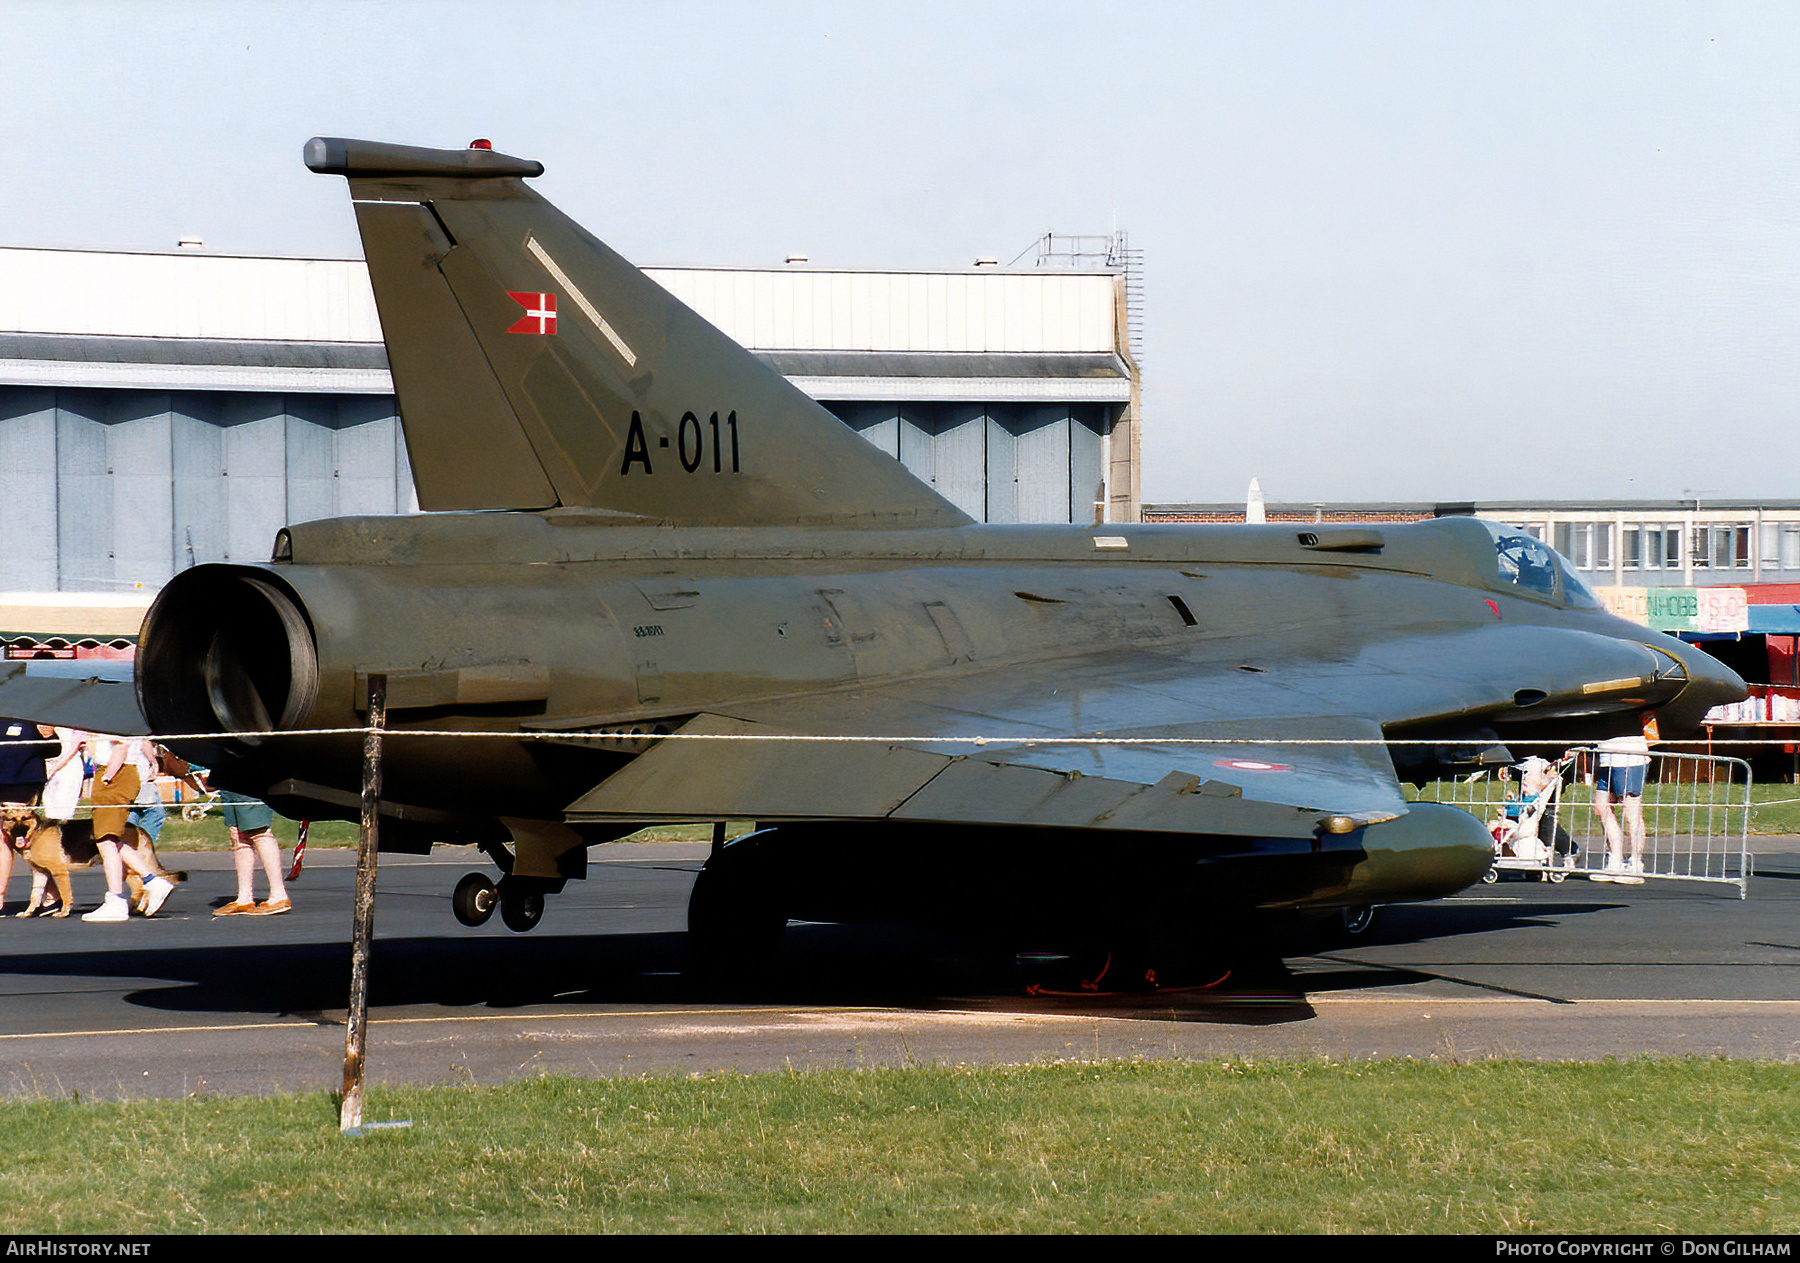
53, 848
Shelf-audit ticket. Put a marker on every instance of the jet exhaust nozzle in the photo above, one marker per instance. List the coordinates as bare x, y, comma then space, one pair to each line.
226, 649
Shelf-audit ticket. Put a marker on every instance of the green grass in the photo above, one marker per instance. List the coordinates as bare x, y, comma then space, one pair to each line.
1648, 1146
1775, 809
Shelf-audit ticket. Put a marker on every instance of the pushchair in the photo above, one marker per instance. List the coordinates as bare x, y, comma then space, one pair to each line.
1527, 837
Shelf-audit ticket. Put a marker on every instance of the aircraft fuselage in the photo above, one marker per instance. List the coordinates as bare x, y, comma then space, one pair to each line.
582, 626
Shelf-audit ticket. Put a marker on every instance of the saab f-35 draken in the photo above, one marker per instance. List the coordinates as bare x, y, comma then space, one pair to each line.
652, 563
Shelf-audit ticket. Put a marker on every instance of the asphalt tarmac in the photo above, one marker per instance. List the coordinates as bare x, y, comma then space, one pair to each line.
186, 1003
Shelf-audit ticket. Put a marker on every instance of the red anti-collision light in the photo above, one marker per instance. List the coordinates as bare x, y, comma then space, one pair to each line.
483, 143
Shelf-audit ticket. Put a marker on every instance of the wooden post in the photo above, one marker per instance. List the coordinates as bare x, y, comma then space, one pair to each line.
363, 928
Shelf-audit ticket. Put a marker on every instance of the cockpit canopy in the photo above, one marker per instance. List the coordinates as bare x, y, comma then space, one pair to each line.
1531, 566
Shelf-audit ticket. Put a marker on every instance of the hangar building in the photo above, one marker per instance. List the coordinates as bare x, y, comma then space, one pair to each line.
158, 410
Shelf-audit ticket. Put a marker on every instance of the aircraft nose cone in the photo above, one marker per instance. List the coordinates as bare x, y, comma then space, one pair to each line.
1710, 683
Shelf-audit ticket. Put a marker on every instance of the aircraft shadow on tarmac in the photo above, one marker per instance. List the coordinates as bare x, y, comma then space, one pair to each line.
1418, 923
886, 966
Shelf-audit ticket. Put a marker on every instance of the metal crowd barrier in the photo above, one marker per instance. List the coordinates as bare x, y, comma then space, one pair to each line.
1696, 812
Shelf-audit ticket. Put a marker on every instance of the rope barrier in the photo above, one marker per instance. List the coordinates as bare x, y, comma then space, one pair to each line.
625, 734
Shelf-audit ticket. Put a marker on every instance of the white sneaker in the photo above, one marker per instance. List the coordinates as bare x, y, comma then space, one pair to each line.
156, 893
1632, 874
114, 908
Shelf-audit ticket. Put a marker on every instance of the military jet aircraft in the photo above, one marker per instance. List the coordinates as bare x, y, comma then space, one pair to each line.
659, 583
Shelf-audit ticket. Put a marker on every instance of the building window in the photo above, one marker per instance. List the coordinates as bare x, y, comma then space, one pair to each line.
1587, 544
1790, 545
1722, 546
1651, 547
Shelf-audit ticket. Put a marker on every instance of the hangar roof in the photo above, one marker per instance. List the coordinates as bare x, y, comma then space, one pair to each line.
192, 320
145, 363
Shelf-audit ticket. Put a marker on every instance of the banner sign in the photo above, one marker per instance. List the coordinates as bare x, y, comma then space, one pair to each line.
1680, 609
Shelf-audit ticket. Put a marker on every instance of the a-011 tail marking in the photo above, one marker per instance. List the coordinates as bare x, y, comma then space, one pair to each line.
537, 368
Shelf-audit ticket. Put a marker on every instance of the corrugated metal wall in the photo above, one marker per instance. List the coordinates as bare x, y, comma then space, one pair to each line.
113, 486
995, 462
113, 489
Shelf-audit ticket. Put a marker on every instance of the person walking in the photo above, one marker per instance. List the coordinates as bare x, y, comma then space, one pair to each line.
23, 770
116, 783
65, 772
252, 840
1624, 763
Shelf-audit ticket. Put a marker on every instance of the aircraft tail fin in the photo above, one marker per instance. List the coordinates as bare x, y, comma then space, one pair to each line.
536, 368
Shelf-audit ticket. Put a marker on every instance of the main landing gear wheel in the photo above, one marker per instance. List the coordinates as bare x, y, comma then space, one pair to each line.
735, 920
520, 909
474, 899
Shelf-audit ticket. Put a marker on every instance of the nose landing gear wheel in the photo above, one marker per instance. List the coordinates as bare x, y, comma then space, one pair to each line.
474, 900
521, 910
1358, 920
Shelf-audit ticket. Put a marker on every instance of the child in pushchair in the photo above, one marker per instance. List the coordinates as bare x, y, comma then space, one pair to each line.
1526, 834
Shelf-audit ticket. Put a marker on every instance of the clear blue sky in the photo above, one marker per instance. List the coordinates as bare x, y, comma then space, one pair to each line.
1393, 250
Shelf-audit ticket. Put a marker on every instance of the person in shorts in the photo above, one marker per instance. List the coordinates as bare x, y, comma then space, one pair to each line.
116, 784
253, 839
148, 814
22, 776
1624, 763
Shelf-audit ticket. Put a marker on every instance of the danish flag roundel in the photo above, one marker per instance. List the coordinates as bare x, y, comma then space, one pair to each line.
540, 313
